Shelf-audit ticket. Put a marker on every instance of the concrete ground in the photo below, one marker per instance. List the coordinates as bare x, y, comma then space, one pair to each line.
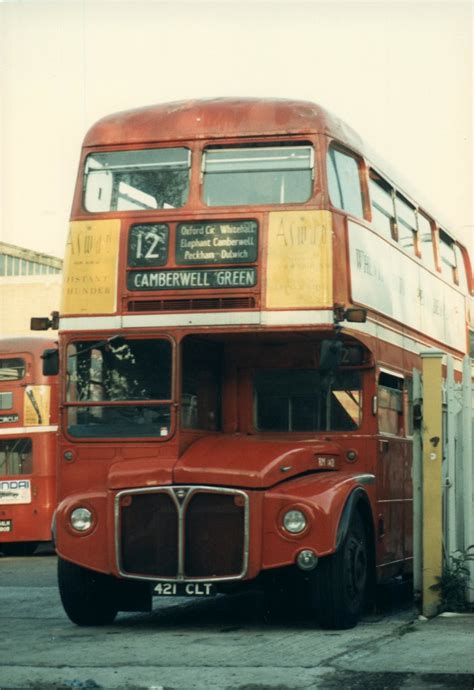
226, 643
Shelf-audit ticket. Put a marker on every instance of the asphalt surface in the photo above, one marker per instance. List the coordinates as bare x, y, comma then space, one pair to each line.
223, 643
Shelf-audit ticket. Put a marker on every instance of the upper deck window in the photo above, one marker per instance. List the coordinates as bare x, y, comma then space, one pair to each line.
426, 242
12, 369
136, 180
344, 182
406, 224
383, 212
461, 269
447, 256
241, 176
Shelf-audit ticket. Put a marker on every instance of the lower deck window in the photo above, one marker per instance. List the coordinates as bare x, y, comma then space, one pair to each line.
16, 456
121, 421
390, 404
306, 400
119, 387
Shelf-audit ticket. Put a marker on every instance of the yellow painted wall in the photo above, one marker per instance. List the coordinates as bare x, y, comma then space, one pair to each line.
22, 297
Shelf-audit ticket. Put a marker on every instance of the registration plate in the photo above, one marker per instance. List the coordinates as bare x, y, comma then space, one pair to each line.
185, 589
6, 526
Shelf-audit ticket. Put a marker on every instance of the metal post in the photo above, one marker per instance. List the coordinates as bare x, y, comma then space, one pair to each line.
450, 483
417, 474
467, 463
432, 479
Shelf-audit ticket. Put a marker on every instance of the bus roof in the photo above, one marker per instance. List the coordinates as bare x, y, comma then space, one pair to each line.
241, 117
214, 118
31, 344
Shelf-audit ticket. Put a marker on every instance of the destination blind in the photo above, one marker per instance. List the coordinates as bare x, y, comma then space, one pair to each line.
192, 279
219, 242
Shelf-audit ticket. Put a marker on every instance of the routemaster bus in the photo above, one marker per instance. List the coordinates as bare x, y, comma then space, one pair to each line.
246, 293
28, 430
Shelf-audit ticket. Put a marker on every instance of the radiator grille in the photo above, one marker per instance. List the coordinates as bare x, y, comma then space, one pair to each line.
214, 535
149, 534
179, 533
192, 304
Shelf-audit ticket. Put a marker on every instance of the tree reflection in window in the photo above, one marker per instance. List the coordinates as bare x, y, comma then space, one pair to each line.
125, 371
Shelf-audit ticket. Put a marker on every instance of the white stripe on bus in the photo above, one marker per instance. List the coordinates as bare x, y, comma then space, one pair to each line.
295, 317
26, 430
237, 318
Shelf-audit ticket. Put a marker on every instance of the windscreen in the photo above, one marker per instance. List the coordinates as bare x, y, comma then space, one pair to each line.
136, 180
278, 174
119, 388
307, 400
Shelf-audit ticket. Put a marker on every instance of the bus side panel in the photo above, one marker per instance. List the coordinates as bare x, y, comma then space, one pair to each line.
28, 501
393, 497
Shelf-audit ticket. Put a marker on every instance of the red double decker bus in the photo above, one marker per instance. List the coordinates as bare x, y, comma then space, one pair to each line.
28, 431
246, 293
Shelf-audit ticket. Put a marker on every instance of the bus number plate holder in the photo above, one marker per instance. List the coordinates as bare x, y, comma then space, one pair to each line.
184, 589
6, 526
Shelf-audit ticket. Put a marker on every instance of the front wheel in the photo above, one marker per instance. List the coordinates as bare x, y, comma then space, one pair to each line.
340, 581
89, 598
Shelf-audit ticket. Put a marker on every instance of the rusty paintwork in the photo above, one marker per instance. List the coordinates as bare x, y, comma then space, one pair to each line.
217, 118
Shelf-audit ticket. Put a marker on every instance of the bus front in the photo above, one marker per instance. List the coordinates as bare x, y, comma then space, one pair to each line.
28, 428
215, 420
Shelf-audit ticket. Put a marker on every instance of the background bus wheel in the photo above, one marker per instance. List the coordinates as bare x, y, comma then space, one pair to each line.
19, 548
340, 581
89, 598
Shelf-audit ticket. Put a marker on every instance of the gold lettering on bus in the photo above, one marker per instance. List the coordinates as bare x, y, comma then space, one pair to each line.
297, 233
299, 260
90, 267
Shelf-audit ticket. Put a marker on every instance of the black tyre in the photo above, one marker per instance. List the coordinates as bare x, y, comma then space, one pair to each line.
340, 580
89, 598
19, 548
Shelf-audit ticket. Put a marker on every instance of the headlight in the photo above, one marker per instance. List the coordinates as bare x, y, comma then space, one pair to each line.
294, 521
81, 519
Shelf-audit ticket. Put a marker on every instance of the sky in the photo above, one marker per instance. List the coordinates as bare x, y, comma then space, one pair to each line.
400, 73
